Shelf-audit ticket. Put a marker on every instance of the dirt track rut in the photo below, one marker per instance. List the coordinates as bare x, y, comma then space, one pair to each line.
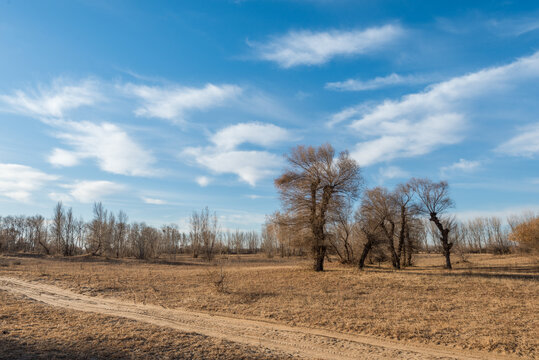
299, 341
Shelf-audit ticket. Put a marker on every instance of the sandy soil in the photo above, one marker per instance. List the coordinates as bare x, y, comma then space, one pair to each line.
298, 341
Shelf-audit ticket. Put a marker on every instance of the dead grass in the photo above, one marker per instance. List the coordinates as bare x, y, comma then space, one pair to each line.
30, 330
488, 303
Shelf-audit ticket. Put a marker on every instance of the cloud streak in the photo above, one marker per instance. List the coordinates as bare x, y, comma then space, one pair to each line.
53, 101
376, 83
175, 102
316, 48
526, 143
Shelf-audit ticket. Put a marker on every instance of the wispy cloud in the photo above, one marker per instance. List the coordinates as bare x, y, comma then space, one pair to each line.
421, 122
53, 101
316, 48
153, 201
514, 26
88, 191
115, 151
19, 182
526, 143
460, 166
377, 83
393, 172
250, 166
252, 133
174, 102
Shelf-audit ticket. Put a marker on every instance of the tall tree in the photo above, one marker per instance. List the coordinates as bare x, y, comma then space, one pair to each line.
434, 201
316, 183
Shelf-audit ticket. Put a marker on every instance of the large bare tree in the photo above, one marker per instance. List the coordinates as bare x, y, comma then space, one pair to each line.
434, 200
315, 183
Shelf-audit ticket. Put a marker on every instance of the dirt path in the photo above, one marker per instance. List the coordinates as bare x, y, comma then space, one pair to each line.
299, 341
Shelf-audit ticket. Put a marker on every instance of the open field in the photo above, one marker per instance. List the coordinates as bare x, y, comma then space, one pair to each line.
488, 304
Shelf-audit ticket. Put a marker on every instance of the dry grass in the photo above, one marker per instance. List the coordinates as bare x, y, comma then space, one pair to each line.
489, 303
30, 330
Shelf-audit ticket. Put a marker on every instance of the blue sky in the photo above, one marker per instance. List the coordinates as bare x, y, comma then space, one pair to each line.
162, 108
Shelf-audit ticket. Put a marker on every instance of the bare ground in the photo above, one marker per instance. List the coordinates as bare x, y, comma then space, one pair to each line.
294, 340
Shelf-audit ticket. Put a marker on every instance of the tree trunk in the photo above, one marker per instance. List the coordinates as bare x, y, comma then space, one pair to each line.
365, 252
319, 255
447, 254
395, 260
446, 245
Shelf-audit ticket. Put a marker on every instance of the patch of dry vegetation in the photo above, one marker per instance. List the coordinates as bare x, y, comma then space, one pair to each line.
30, 330
487, 303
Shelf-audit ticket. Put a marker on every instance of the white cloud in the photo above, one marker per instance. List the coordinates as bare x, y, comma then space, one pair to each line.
18, 182
61, 157
153, 201
111, 146
393, 172
90, 191
250, 166
376, 83
526, 143
316, 48
253, 133
460, 166
421, 122
173, 103
203, 181
53, 101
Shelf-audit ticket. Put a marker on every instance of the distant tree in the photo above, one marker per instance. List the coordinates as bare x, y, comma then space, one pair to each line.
434, 200
57, 227
315, 184
204, 233
39, 232
269, 238
99, 231
526, 234
119, 234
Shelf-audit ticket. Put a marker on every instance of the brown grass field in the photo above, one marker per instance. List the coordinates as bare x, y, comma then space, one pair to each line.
488, 303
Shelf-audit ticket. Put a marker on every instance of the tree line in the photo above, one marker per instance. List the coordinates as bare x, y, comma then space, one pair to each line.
326, 212
111, 235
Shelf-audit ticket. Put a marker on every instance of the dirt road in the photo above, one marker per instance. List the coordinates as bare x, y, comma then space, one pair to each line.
302, 342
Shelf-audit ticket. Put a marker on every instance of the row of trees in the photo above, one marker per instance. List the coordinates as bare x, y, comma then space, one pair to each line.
109, 234
318, 192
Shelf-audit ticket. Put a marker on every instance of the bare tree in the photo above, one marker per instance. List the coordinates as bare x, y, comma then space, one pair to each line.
204, 232
99, 230
39, 231
195, 234
403, 198
269, 238
69, 233
315, 184
341, 234
119, 234
57, 226
369, 220
434, 201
